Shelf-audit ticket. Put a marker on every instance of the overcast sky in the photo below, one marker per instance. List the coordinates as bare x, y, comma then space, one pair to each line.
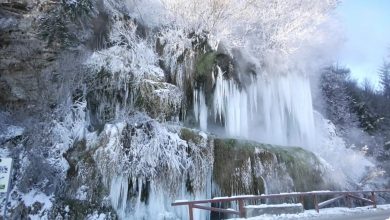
367, 36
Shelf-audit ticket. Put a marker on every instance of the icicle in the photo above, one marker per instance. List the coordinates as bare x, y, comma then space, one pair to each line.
231, 103
285, 113
200, 108
118, 194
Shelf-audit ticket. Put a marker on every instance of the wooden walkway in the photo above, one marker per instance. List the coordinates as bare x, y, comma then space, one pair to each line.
364, 196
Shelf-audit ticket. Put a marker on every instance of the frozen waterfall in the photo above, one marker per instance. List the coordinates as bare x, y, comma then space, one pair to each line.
274, 109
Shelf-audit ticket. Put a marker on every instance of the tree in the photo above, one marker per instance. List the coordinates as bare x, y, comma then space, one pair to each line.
276, 25
334, 88
384, 74
368, 87
348, 104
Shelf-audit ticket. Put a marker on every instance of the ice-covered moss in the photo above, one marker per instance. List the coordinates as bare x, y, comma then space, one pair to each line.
233, 169
191, 136
243, 167
304, 168
204, 66
159, 99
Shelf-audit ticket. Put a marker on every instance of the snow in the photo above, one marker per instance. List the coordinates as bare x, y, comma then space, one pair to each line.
10, 132
35, 196
182, 200
311, 214
242, 196
274, 205
97, 216
4, 152
222, 197
289, 193
81, 193
71, 2
6, 23
320, 191
203, 135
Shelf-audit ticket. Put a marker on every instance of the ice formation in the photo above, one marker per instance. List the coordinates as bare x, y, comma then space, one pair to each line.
164, 69
136, 154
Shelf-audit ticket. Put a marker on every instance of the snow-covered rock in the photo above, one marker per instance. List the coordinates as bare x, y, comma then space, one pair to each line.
8, 132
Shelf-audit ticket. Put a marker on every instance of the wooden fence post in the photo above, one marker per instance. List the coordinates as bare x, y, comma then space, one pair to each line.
301, 199
241, 208
190, 211
316, 203
373, 198
349, 201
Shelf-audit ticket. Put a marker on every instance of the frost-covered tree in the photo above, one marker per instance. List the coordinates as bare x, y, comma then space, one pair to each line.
276, 25
337, 100
363, 102
349, 104
384, 73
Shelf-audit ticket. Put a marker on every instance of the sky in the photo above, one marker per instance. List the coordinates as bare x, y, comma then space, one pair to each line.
366, 26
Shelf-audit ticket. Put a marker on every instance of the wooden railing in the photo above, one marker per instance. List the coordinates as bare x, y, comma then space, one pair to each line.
349, 195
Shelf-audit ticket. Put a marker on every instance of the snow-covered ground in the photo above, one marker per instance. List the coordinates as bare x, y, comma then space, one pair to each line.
331, 213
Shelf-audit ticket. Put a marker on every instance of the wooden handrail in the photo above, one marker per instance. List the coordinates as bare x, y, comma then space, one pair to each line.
274, 196
314, 194
330, 201
363, 199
